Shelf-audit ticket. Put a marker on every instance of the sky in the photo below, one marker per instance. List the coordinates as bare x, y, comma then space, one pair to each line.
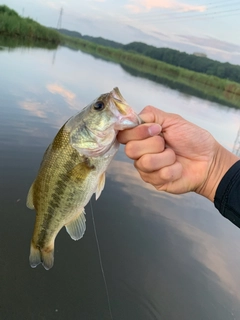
211, 27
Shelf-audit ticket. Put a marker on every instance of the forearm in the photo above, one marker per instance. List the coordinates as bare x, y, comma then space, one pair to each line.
222, 162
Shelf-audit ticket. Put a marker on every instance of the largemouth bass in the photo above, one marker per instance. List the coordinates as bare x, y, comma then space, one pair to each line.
72, 169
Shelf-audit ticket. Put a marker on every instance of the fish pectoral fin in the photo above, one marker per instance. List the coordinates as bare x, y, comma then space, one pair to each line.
100, 185
29, 202
77, 227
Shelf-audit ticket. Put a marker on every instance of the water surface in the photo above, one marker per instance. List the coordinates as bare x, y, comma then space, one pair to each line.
164, 257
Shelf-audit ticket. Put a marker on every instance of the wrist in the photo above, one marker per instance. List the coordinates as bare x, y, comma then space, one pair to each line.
221, 162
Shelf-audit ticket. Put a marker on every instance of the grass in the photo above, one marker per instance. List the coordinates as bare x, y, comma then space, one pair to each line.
12, 25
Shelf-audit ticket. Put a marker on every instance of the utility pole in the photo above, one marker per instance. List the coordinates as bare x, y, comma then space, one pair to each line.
59, 24
236, 147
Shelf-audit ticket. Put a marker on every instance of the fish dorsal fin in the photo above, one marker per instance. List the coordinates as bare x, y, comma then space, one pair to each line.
77, 227
100, 185
29, 202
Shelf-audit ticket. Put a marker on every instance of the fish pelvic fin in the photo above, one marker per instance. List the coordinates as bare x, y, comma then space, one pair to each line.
77, 226
100, 185
44, 256
29, 202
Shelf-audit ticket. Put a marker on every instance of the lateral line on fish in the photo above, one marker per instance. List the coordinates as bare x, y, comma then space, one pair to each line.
100, 261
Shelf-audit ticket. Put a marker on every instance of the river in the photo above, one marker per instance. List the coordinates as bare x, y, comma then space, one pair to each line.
164, 257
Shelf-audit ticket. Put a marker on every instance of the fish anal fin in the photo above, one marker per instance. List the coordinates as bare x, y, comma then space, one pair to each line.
44, 256
77, 226
29, 202
100, 185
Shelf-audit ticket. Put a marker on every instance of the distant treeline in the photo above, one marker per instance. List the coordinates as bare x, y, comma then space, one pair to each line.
97, 40
170, 56
187, 61
12, 25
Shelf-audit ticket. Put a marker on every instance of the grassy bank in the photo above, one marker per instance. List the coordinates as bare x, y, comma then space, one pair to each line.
223, 89
12, 25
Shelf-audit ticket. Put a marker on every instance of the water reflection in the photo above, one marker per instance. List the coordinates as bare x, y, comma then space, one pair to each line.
69, 96
165, 257
149, 231
207, 245
207, 93
229, 100
8, 43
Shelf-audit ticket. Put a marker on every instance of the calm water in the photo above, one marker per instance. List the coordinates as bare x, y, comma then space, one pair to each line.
165, 257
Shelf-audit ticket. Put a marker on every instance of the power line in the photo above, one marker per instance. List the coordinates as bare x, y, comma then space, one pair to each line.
236, 147
183, 17
181, 12
215, 14
203, 16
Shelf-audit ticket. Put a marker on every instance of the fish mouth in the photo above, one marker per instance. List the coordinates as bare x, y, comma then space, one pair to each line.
117, 94
121, 106
126, 116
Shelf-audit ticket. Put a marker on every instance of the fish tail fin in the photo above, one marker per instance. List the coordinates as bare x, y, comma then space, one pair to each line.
47, 258
37, 256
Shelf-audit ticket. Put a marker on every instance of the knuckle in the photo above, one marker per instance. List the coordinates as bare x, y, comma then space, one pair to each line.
146, 162
129, 149
135, 163
167, 174
171, 155
145, 177
148, 108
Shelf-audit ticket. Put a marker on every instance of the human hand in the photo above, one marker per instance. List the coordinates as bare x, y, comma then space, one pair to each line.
183, 158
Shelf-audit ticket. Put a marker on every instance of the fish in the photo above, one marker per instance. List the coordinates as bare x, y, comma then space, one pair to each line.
73, 169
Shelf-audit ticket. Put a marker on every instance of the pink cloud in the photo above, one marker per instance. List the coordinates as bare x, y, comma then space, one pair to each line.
133, 8
146, 5
66, 94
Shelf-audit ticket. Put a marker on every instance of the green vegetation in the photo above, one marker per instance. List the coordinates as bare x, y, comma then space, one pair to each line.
187, 61
221, 88
97, 40
12, 25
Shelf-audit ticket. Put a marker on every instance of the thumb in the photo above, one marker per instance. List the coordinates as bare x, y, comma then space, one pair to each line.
151, 114
140, 132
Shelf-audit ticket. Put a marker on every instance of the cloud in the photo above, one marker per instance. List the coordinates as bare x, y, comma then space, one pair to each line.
132, 8
213, 43
208, 249
68, 96
147, 5
160, 34
36, 108
51, 4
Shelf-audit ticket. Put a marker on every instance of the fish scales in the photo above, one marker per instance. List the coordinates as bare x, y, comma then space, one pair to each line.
72, 169
61, 184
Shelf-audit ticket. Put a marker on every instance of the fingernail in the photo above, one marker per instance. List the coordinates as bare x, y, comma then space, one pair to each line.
154, 129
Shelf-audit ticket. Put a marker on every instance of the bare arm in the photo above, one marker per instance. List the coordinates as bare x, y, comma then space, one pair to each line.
175, 155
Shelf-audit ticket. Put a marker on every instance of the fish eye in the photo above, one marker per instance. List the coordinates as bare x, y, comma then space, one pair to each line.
99, 105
